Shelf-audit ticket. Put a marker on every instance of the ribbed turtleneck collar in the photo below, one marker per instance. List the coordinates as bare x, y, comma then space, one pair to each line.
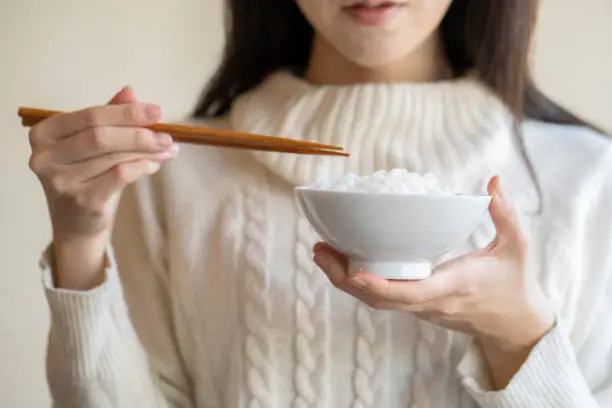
456, 129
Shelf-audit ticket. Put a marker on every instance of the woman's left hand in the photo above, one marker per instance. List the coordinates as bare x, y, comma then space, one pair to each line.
488, 294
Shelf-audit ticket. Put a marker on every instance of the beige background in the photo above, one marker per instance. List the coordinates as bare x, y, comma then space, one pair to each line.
64, 54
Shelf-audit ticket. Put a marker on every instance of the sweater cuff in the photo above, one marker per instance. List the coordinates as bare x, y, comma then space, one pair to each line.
550, 378
78, 318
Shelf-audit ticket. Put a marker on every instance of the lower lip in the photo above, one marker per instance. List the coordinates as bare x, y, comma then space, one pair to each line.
373, 16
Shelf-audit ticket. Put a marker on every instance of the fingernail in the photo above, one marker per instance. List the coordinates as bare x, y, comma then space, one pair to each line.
358, 283
153, 112
174, 150
163, 139
317, 247
498, 187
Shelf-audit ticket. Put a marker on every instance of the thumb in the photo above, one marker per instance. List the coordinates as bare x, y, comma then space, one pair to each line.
504, 217
125, 95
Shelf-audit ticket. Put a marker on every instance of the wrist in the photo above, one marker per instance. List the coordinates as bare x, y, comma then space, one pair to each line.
507, 353
525, 330
79, 262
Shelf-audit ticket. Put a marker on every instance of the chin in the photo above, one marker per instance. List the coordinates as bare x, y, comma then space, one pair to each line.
374, 50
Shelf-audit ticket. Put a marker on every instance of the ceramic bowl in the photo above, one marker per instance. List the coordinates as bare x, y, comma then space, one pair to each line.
395, 236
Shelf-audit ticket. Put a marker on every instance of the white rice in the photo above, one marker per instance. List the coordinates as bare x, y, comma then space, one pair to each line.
396, 181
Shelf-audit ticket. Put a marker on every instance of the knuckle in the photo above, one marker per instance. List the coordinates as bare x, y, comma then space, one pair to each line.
414, 298
130, 113
98, 139
378, 304
143, 138
468, 288
91, 116
338, 283
448, 309
373, 303
36, 163
36, 136
121, 173
60, 184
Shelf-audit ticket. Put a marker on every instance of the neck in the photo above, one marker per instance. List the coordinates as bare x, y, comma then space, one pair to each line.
427, 63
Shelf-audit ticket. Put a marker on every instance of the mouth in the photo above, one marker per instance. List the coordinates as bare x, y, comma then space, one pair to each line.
373, 12
374, 4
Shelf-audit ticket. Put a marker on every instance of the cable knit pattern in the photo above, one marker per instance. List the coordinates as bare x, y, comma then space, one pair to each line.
257, 309
371, 348
428, 382
311, 375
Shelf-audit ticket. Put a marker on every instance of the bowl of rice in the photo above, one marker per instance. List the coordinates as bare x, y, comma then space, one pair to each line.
394, 224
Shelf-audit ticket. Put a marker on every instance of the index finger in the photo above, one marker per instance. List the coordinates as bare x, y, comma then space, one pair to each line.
407, 292
67, 124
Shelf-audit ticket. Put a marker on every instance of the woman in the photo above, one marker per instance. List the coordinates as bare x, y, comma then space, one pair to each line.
207, 296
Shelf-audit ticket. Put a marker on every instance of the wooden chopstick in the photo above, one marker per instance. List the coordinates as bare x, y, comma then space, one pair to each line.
212, 137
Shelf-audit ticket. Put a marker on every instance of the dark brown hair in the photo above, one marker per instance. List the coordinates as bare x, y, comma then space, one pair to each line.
489, 37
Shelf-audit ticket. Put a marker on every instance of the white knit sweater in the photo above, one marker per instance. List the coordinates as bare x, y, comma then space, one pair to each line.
211, 298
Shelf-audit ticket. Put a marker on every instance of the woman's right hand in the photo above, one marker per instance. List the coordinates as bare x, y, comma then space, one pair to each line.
83, 160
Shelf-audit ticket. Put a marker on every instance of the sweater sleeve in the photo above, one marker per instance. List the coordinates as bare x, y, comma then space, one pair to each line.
571, 367
115, 346
550, 378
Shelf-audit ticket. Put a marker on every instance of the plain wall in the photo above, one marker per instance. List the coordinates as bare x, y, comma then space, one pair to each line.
65, 54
